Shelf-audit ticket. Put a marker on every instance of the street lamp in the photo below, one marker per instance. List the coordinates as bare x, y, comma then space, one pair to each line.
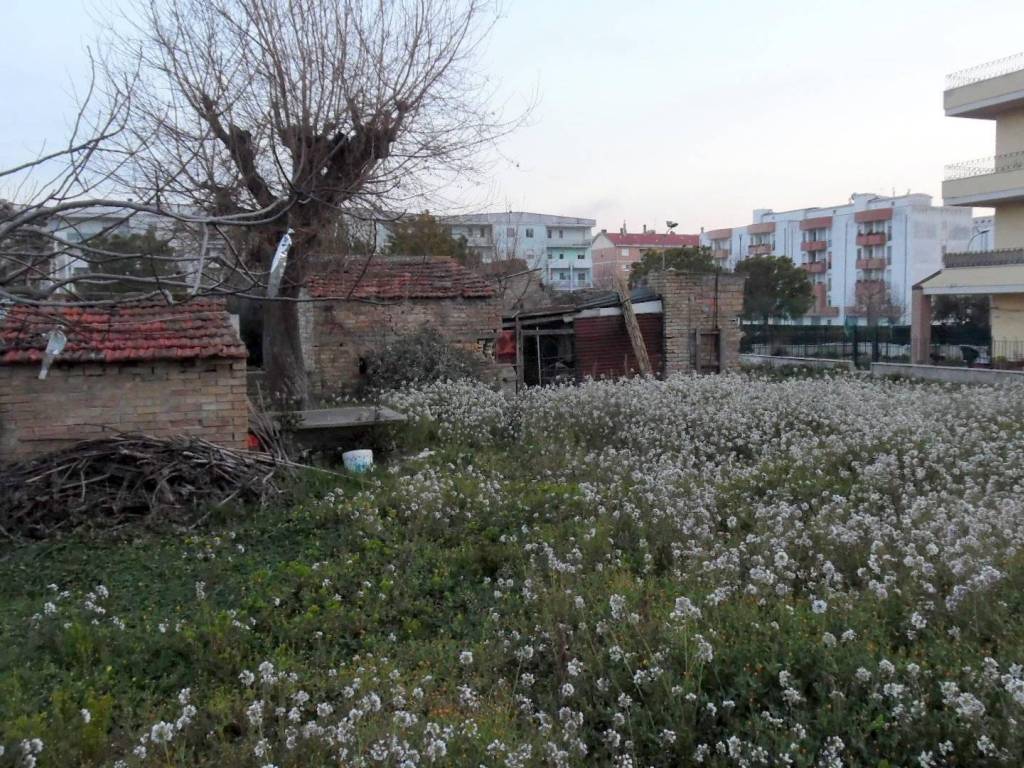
979, 232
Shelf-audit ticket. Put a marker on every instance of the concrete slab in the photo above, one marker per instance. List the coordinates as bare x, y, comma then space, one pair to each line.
948, 374
345, 417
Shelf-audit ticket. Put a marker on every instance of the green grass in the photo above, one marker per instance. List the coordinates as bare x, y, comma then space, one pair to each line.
495, 546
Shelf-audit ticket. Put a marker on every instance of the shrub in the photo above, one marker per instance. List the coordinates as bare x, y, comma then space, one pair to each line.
421, 357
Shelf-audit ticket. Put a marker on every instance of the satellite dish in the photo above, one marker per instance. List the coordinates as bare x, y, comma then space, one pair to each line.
671, 224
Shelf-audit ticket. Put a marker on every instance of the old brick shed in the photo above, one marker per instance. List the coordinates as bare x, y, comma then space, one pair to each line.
357, 308
689, 324
138, 367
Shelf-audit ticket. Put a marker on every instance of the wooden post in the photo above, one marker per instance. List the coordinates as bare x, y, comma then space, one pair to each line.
633, 328
520, 381
540, 370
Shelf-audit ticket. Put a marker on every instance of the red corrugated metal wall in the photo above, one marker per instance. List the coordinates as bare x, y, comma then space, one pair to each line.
603, 349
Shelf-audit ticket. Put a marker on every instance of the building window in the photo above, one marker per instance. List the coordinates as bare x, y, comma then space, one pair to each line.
510, 232
550, 232
888, 254
859, 252
625, 252
529, 232
561, 234
581, 256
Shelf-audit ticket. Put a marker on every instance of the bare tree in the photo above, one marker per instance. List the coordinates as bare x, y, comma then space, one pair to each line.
250, 118
876, 301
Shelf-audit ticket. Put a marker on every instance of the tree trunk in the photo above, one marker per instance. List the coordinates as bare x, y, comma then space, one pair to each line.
283, 364
287, 383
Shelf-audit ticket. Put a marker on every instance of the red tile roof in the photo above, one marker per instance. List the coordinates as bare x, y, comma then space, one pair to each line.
133, 331
647, 239
400, 280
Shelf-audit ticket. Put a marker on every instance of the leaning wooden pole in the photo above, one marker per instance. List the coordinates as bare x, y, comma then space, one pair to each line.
633, 328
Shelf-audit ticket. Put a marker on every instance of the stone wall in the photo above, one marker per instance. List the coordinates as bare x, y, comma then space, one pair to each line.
337, 334
204, 398
690, 304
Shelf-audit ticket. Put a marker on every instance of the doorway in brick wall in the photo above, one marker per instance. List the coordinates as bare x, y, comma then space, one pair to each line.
707, 351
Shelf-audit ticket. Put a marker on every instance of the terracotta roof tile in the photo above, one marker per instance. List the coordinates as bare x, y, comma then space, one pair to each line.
125, 332
400, 280
652, 239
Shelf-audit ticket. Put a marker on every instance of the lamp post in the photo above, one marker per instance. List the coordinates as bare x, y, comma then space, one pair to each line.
979, 232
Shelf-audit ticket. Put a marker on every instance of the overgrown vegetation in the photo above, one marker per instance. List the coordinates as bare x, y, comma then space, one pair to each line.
695, 259
422, 356
714, 571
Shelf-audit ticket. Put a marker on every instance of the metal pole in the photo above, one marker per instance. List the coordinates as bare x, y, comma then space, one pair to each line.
540, 370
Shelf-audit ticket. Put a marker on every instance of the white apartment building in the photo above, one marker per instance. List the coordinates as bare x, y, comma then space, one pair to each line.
853, 253
83, 224
557, 246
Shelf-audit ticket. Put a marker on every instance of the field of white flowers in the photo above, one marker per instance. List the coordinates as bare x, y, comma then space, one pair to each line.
705, 571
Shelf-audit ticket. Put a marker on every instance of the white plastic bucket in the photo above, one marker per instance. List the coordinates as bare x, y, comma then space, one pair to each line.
358, 461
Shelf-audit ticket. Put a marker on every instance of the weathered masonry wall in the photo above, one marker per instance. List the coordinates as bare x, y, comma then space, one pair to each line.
692, 303
204, 398
337, 334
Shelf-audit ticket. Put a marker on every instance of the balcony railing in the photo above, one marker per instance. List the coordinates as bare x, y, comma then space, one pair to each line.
814, 245
871, 239
815, 267
985, 71
1000, 258
870, 265
1013, 161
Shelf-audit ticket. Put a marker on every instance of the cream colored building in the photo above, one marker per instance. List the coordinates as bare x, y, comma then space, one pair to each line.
993, 91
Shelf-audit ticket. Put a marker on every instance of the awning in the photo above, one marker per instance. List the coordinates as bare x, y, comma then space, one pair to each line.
976, 280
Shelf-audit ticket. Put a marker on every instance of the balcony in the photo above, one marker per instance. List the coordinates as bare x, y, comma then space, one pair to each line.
813, 245
554, 245
1002, 258
988, 181
815, 267
871, 238
871, 264
986, 90
761, 249
570, 285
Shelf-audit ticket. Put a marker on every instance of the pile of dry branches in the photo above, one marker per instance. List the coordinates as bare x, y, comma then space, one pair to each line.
109, 481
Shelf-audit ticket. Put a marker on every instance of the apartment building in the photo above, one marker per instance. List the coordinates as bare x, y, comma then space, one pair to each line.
557, 246
83, 224
862, 257
995, 92
615, 253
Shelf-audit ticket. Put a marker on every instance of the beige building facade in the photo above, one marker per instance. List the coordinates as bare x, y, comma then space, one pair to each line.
993, 91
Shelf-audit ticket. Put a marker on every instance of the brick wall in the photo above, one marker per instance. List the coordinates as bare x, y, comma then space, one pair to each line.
205, 398
689, 303
336, 334
603, 348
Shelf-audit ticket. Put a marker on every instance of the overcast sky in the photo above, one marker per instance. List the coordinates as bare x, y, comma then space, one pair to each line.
650, 110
